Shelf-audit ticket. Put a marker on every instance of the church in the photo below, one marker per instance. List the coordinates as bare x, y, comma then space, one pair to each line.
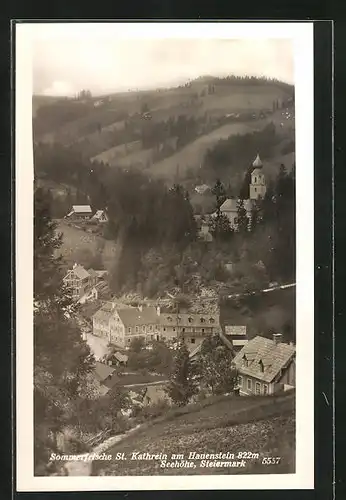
257, 190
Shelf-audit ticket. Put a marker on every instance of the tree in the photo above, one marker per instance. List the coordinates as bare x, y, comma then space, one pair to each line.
254, 216
182, 384
137, 344
220, 227
219, 192
61, 359
215, 363
242, 218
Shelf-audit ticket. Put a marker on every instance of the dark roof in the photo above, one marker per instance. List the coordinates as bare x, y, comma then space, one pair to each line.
262, 352
103, 371
80, 272
133, 316
121, 357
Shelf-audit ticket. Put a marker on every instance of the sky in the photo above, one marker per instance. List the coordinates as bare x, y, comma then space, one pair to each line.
64, 64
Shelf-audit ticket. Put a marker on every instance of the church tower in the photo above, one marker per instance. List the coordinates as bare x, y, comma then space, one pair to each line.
258, 183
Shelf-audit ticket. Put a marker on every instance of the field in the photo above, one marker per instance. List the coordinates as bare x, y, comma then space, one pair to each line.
263, 425
192, 155
80, 246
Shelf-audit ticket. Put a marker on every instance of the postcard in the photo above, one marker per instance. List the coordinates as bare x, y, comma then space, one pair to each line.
164, 256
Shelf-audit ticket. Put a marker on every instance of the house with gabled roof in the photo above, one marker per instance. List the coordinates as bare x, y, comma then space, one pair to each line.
100, 216
122, 324
265, 366
79, 212
79, 281
191, 327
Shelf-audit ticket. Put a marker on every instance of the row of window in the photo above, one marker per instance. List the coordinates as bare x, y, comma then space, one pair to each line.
157, 337
190, 319
260, 388
143, 329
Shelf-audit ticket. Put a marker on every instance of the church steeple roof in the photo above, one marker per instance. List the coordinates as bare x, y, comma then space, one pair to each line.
257, 162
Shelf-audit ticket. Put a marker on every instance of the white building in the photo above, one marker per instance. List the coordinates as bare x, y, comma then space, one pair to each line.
230, 209
258, 184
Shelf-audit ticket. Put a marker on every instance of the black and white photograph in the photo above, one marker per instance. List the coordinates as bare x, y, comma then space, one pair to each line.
164, 204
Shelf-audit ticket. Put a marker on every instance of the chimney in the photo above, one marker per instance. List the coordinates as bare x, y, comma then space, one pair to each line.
158, 310
277, 338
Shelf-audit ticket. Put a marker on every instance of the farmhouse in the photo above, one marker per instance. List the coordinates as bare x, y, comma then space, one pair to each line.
100, 216
119, 325
266, 366
105, 375
79, 212
79, 281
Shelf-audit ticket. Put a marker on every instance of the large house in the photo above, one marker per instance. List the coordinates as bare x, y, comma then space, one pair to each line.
193, 328
80, 281
79, 212
265, 366
119, 325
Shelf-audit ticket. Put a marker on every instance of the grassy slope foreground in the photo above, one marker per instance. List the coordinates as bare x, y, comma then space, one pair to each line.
263, 425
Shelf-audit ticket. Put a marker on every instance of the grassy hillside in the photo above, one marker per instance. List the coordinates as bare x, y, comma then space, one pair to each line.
263, 425
82, 247
95, 127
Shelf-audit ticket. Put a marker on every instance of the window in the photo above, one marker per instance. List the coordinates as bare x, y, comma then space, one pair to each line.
173, 329
202, 320
258, 388
240, 381
190, 319
164, 329
143, 328
255, 181
137, 329
255, 190
193, 341
183, 330
128, 341
212, 320
265, 389
249, 384
169, 318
